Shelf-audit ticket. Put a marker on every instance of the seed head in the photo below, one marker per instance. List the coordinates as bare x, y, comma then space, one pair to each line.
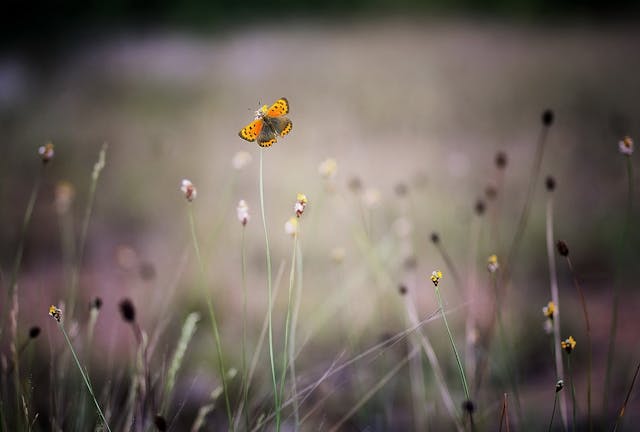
568, 344
492, 263
160, 423
243, 212
402, 289
479, 207
46, 152
436, 275
491, 191
127, 310
34, 332
435, 238
300, 205
547, 117
468, 406
96, 303
563, 249
625, 145
559, 385
501, 160
550, 183
189, 190
55, 313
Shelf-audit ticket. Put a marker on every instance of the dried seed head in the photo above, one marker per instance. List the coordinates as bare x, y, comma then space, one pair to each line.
402, 289
96, 303
550, 183
559, 385
127, 310
34, 332
188, 189
435, 238
479, 207
491, 191
501, 160
563, 249
547, 117
468, 406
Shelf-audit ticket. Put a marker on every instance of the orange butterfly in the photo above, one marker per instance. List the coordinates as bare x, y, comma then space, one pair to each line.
269, 124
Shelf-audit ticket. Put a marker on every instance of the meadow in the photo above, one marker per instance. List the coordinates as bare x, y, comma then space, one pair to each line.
138, 294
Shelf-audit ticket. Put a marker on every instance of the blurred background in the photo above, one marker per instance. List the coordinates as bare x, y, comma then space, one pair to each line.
412, 99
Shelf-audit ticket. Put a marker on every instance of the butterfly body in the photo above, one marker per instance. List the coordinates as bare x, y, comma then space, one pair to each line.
269, 124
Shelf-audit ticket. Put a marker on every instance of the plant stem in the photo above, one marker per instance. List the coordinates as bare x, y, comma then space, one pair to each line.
245, 384
553, 412
588, 326
626, 399
453, 345
214, 323
288, 317
292, 338
555, 297
573, 391
276, 399
84, 377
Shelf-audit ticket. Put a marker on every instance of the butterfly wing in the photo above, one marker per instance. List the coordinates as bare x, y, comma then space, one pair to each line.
279, 108
252, 131
280, 125
267, 136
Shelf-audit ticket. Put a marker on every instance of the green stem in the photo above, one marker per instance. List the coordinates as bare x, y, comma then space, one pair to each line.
276, 399
84, 377
453, 345
212, 315
626, 399
292, 338
245, 384
288, 317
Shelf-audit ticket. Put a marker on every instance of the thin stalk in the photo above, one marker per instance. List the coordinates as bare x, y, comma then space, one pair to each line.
626, 399
75, 275
287, 322
504, 416
589, 349
453, 345
245, 383
276, 399
616, 300
214, 323
555, 297
292, 339
553, 412
573, 391
84, 377
450, 264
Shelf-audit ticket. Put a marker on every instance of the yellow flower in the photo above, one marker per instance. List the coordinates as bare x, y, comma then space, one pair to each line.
568, 344
46, 152
549, 310
436, 275
300, 205
55, 313
492, 263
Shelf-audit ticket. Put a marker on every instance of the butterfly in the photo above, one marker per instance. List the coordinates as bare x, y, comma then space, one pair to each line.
269, 124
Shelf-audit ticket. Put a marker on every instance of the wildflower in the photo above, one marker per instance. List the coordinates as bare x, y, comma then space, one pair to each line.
563, 249
328, 168
436, 275
46, 152
300, 205
243, 212
492, 263
64, 194
625, 145
547, 117
568, 344
189, 190
241, 160
337, 255
55, 313
559, 385
371, 198
550, 183
127, 310
549, 310
291, 227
